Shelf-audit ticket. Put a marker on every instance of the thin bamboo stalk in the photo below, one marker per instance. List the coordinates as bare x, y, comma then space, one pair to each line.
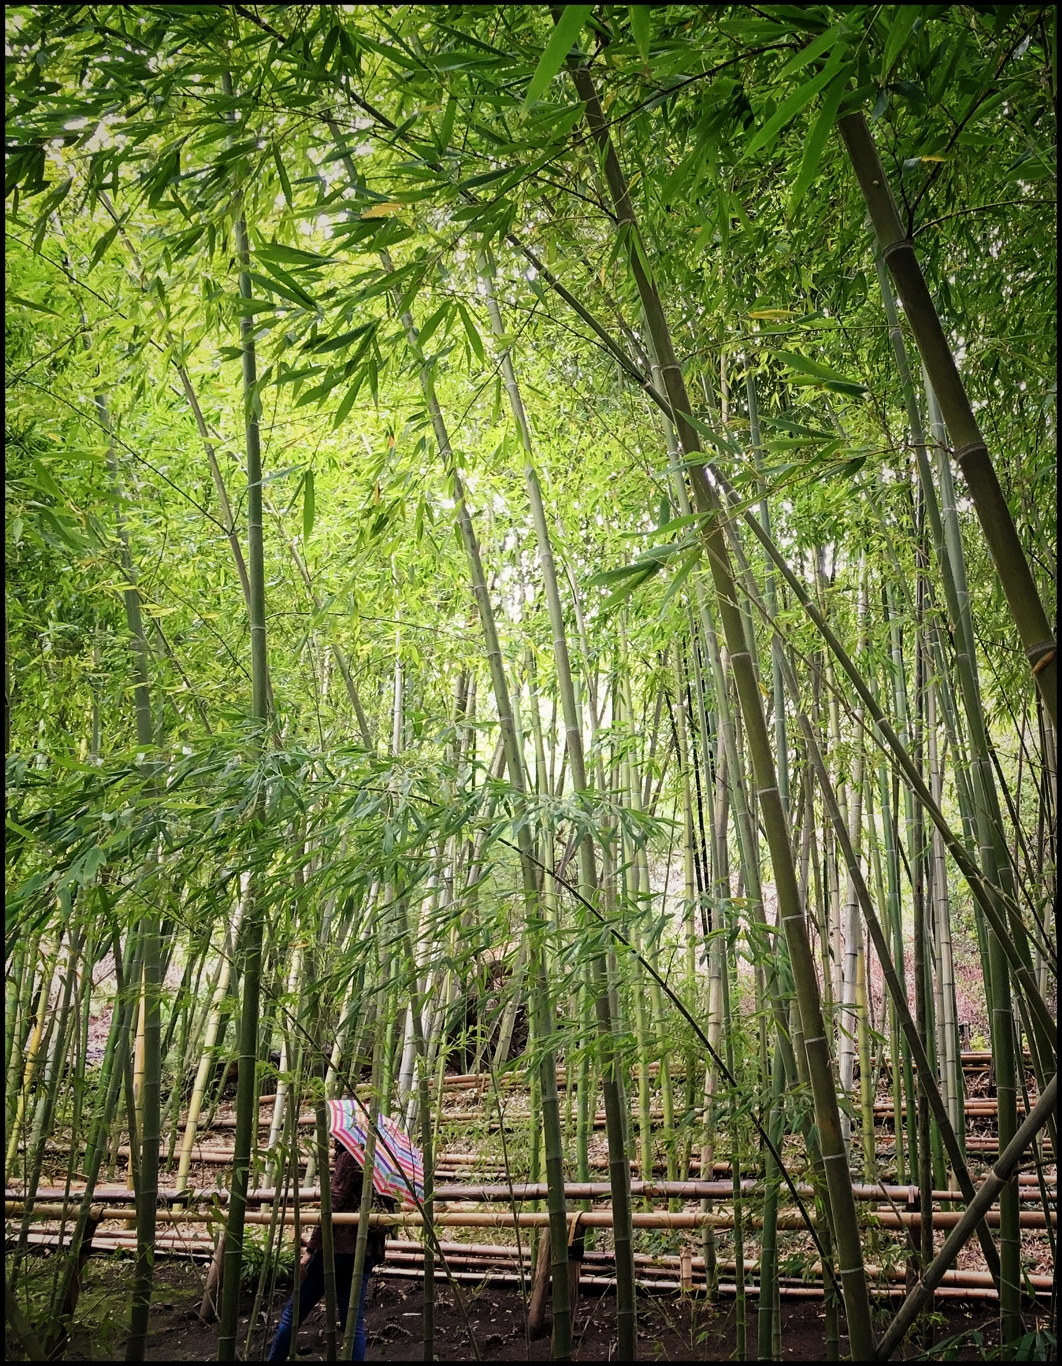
246, 1095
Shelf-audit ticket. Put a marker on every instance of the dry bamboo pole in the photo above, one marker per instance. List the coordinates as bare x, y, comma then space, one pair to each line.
524, 1191
478, 1262
597, 1218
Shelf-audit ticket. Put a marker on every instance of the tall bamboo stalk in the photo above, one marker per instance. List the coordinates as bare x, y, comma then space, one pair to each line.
246, 1092
514, 759
816, 1043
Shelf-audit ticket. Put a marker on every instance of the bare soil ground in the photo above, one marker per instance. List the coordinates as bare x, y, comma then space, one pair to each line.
671, 1328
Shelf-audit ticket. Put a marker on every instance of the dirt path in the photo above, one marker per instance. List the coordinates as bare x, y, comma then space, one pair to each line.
671, 1328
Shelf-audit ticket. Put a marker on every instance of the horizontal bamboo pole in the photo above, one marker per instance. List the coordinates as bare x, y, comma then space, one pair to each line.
976, 1108
472, 1263
598, 1218
647, 1283
522, 1190
458, 1254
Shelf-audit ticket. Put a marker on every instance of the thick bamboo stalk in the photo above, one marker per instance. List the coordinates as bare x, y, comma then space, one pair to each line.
971, 452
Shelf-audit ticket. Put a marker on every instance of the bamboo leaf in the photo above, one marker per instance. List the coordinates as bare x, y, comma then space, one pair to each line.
345, 338
816, 141
277, 251
384, 210
102, 245
815, 369
681, 574
285, 183
472, 332
720, 440
28, 303
346, 403
814, 49
788, 109
903, 25
622, 593
423, 333
607, 576
568, 28
640, 29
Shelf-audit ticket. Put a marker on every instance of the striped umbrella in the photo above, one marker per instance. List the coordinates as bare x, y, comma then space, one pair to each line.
397, 1165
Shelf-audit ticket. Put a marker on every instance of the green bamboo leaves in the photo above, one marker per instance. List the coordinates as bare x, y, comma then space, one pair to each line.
816, 140
567, 30
792, 105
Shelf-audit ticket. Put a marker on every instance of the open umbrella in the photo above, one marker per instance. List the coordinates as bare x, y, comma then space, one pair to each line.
397, 1165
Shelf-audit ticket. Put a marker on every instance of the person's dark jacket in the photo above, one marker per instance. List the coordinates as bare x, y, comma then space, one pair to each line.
346, 1186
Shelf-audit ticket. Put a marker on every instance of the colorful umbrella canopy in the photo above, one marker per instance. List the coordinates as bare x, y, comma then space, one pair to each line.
397, 1165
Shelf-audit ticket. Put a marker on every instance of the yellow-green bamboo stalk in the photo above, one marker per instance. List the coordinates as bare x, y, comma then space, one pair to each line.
775, 823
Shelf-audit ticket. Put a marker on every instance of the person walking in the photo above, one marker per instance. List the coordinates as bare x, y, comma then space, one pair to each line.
346, 1185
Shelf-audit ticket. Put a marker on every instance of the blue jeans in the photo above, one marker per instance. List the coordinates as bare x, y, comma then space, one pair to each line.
311, 1291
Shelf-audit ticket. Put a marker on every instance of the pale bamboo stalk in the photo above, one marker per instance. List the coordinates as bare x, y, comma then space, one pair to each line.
210, 1034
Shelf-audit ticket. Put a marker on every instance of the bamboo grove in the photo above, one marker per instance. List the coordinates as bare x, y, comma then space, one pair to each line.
530, 553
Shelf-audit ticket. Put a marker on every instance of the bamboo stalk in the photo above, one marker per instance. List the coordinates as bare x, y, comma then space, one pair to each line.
246, 1095
990, 1189
771, 810
971, 452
